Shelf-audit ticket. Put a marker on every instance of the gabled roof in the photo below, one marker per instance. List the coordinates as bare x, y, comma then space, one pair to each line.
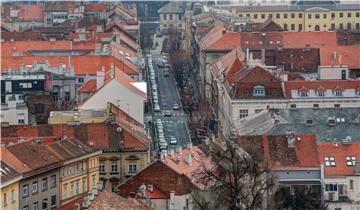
212, 36
128, 82
21, 36
172, 7
339, 152
7, 173
274, 150
316, 84
269, 25
345, 55
229, 63
88, 87
95, 7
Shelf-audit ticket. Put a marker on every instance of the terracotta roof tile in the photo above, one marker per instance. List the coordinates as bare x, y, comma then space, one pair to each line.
95, 7
339, 151
212, 36
345, 55
31, 12
88, 86
316, 84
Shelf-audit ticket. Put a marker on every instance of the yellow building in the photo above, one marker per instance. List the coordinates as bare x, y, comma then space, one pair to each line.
303, 15
81, 116
9, 189
79, 172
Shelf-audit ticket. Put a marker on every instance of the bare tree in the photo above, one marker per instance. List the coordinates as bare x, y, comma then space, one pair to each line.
236, 179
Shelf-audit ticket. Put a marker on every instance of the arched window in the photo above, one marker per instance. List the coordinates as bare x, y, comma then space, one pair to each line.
259, 91
317, 28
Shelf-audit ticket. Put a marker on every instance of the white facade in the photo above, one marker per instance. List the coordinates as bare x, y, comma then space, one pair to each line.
119, 95
350, 187
333, 72
175, 21
14, 111
233, 110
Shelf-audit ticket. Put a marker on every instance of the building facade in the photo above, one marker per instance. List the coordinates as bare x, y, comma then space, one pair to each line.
172, 17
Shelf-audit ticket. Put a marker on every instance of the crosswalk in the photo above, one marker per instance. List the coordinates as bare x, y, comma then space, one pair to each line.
173, 114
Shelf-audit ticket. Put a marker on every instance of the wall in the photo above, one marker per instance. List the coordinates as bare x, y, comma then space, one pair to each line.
119, 95
14, 109
11, 202
332, 72
41, 193
176, 23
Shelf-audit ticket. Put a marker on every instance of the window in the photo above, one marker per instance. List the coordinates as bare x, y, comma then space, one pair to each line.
331, 187
293, 106
171, 17
255, 16
317, 16
34, 187
329, 161
21, 121
81, 80
13, 196
114, 167
247, 15
25, 190
349, 15
357, 14
240, 15
259, 91
332, 25
53, 200
321, 93
101, 167
243, 113
67, 96
35, 206
285, 26
44, 203
300, 15
285, 15
309, 16
25, 85
303, 93
338, 93
337, 105
341, 14
292, 27
258, 110
332, 15
164, 16
351, 184
270, 16
39, 108
300, 27
44, 184
348, 26
315, 105
278, 15
53, 181
308, 122
341, 26
93, 180
21, 97
324, 16
77, 187
180, 25
84, 184
292, 15
357, 26
5, 202
55, 96
71, 188
65, 190
132, 168
26, 208
263, 16
350, 160
180, 16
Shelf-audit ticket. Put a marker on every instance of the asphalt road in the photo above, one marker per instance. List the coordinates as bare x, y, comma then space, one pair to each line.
174, 126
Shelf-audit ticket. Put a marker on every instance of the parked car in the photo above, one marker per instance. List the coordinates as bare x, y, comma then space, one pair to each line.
176, 107
173, 140
157, 108
167, 113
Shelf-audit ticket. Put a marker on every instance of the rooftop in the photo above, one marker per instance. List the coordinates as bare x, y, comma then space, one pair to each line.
172, 7
88, 87
328, 124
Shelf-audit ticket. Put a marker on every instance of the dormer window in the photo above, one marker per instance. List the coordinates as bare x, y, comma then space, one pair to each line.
303, 92
338, 93
259, 91
329, 161
321, 93
350, 160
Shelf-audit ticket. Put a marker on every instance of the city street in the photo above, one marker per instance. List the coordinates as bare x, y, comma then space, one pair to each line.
174, 125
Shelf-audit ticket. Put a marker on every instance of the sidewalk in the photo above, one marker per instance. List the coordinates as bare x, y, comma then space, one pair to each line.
159, 40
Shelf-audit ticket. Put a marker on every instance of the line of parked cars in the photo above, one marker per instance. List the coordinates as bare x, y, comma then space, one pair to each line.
161, 136
154, 89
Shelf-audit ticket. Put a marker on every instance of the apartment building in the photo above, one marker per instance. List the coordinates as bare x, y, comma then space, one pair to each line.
172, 17
9, 187
303, 15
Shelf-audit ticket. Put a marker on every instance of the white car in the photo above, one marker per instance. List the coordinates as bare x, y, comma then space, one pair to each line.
155, 97
173, 140
156, 108
176, 107
158, 121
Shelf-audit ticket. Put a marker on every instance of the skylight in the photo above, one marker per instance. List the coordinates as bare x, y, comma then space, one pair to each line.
329, 161
350, 160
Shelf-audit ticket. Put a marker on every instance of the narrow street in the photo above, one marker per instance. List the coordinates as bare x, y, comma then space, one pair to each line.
174, 126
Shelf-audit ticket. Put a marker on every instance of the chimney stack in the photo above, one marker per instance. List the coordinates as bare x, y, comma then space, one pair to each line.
188, 159
117, 39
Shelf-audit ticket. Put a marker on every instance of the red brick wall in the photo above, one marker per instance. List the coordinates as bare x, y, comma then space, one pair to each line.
302, 60
159, 175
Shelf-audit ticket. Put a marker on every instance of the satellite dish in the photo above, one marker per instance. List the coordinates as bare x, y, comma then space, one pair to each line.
119, 129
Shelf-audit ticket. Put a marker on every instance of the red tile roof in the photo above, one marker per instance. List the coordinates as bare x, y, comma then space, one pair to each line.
30, 12
313, 39
127, 81
13, 161
275, 151
228, 40
316, 84
212, 36
95, 7
156, 194
88, 86
339, 151
345, 55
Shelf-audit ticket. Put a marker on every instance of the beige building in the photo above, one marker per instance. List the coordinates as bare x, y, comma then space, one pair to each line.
172, 17
303, 15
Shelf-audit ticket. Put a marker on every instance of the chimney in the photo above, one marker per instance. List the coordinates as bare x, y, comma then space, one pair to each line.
263, 55
100, 77
334, 55
188, 159
117, 39
247, 53
290, 137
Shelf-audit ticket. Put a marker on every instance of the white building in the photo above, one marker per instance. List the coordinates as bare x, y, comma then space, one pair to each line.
172, 17
123, 91
14, 110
